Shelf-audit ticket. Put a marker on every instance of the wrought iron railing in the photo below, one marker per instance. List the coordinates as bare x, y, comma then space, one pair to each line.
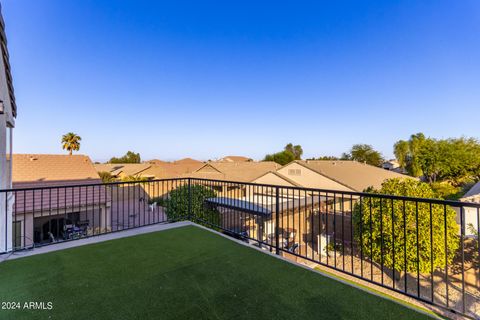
427, 249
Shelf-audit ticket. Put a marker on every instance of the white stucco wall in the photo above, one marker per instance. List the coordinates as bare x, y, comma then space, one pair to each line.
6, 200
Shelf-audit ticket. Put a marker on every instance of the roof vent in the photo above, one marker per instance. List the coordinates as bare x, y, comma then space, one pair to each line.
33, 158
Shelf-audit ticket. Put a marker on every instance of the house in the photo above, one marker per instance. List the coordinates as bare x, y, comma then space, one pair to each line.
471, 215
177, 169
391, 164
235, 159
326, 214
341, 175
58, 212
187, 161
124, 170
8, 113
234, 171
155, 161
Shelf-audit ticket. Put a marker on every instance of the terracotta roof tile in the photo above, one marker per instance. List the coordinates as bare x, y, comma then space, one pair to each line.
52, 167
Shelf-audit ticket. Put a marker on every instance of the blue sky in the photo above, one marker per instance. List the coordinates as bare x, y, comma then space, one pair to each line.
211, 78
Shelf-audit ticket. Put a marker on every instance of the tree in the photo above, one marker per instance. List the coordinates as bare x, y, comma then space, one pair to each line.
380, 223
296, 150
332, 158
365, 153
129, 157
71, 142
281, 158
177, 204
454, 160
406, 153
289, 153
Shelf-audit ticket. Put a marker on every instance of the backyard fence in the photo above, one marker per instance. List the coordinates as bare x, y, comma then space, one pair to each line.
427, 249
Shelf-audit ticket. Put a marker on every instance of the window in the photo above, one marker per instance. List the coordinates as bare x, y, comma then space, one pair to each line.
294, 172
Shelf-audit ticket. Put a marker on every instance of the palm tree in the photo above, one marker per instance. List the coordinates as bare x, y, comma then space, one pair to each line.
71, 142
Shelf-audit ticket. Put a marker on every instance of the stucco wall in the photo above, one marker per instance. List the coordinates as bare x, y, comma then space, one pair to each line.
273, 179
311, 179
5, 168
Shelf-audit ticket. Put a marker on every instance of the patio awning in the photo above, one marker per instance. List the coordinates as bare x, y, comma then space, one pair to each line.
240, 205
264, 205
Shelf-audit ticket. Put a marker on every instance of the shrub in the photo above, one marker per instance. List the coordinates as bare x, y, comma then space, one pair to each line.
177, 204
106, 177
379, 227
160, 201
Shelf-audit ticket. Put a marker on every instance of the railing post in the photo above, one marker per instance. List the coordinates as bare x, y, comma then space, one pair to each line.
190, 215
277, 220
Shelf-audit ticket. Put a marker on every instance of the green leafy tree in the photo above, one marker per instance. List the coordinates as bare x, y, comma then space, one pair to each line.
129, 157
177, 204
281, 158
333, 158
296, 150
365, 153
407, 152
453, 160
71, 142
289, 154
379, 227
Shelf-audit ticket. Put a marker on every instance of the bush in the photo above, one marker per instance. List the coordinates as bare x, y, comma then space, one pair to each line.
445, 190
177, 204
160, 201
374, 229
106, 177
135, 178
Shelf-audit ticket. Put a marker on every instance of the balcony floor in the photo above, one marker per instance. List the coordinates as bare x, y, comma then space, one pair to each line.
181, 273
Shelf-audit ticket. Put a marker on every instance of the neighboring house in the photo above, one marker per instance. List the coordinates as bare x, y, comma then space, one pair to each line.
235, 159
56, 214
8, 113
234, 172
471, 215
393, 165
124, 170
341, 175
155, 161
321, 211
169, 170
390, 164
187, 161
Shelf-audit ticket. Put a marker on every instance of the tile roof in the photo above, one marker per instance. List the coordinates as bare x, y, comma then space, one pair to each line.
235, 171
169, 170
355, 175
52, 167
187, 160
235, 159
128, 169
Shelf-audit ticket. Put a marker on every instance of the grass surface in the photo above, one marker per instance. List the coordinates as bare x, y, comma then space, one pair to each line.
183, 273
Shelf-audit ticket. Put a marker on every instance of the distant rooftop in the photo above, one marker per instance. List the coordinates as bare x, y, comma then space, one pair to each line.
355, 175
52, 167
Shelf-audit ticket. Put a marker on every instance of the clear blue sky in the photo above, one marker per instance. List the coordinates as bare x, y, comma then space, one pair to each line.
212, 78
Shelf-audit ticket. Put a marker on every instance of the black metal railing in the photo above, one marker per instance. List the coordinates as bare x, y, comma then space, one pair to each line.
427, 249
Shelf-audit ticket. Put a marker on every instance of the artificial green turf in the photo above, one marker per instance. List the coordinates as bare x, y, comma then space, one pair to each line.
183, 273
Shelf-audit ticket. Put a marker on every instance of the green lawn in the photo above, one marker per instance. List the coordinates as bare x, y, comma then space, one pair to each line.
183, 273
